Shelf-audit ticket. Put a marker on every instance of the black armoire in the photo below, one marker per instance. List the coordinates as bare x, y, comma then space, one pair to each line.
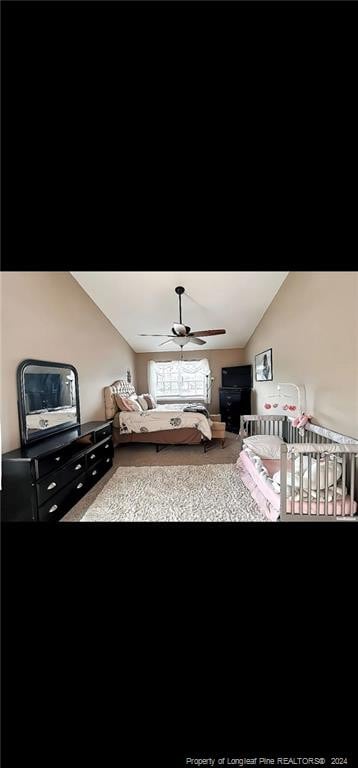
235, 400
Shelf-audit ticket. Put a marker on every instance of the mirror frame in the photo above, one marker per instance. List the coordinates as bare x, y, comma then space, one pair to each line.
25, 440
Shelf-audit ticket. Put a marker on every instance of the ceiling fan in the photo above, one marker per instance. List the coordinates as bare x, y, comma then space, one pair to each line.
182, 334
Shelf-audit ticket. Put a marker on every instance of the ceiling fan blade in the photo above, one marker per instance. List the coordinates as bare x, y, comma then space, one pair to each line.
162, 335
194, 340
207, 333
168, 341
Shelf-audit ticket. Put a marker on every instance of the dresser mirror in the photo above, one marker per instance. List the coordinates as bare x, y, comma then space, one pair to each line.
48, 399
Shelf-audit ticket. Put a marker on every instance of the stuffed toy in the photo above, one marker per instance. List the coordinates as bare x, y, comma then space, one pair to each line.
301, 420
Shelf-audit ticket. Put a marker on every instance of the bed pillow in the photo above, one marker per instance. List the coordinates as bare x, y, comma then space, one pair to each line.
125, 404
150, 401
137, 404
332, 471
265, 446
321, 480
142, 401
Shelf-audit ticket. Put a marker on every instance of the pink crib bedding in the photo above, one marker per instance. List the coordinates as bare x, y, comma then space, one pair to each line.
269, 501
266, 499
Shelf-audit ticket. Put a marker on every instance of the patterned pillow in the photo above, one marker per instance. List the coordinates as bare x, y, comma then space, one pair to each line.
142, 401
125, 404
134, 399
137, 405
150, 401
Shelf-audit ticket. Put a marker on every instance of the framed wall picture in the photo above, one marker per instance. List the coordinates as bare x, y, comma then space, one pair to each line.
263, 366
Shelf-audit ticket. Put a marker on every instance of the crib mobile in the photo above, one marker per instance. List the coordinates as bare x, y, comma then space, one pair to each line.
299, 407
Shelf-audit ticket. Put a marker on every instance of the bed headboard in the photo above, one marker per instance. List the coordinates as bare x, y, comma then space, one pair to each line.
120, 387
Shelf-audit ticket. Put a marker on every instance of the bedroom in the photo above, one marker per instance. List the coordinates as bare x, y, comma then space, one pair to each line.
270, 323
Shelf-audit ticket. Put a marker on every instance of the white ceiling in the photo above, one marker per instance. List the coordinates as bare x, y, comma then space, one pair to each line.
145, 302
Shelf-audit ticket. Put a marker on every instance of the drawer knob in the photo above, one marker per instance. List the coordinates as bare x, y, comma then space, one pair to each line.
94, 472
80, 485
93, 456
106, 446
107, 460
58, 458
78, 466
53, 508
52, 485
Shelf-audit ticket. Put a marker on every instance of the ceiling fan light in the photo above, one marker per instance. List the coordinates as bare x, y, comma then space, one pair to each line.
179, 329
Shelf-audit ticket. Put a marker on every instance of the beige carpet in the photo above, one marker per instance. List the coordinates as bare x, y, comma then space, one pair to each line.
147, 456
203, 494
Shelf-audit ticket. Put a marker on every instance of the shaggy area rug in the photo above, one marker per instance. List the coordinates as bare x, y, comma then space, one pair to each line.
211, 493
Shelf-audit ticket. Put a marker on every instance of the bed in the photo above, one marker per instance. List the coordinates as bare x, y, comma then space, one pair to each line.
312, 477
45, 418
163, 425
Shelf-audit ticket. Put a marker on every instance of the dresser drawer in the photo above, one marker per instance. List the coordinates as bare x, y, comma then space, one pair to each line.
73, 470
108, 462
106, 449
97, 453
98, 470
100, 434
52, 463
93, 456
61, 502
53, 483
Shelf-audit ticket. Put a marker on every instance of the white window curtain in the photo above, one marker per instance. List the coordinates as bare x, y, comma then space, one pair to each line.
179, 372
152, 378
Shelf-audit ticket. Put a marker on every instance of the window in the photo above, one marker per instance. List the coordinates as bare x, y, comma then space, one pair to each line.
180, 379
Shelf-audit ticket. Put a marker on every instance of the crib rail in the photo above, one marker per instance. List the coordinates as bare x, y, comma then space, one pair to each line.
334, 500
262, 425
314, 433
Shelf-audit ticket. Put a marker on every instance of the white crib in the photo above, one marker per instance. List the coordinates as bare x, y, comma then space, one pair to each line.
299, 451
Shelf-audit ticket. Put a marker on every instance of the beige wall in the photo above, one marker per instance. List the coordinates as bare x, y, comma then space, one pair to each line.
47, 316
312, 327
218, 359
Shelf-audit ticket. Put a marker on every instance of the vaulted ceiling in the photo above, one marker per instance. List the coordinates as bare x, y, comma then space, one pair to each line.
146, 302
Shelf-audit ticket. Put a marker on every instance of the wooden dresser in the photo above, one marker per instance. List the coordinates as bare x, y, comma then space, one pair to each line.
234, 403
43, 481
